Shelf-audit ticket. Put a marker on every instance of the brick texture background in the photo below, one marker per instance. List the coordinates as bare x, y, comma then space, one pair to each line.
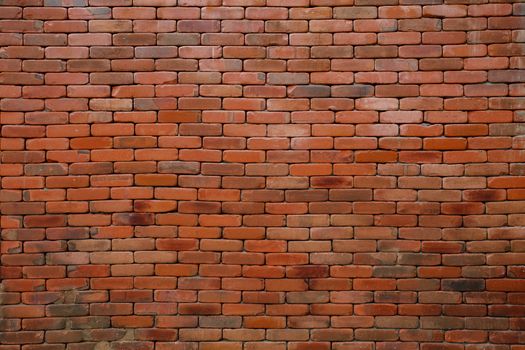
262, 174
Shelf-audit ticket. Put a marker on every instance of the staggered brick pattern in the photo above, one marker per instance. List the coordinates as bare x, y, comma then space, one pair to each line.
262, 174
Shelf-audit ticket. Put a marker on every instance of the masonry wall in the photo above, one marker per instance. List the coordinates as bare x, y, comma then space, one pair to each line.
262, 174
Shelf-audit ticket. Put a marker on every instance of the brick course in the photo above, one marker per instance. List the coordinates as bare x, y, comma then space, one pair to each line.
262, 174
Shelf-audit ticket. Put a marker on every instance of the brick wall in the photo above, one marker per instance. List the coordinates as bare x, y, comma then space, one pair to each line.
262, 174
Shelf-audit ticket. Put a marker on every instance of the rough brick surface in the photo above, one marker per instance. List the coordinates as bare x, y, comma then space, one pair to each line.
262, 174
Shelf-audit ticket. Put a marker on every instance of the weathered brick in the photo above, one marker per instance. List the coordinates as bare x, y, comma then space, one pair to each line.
262, 174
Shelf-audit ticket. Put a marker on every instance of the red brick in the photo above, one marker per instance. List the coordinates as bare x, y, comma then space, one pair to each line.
358, 160
445, 11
